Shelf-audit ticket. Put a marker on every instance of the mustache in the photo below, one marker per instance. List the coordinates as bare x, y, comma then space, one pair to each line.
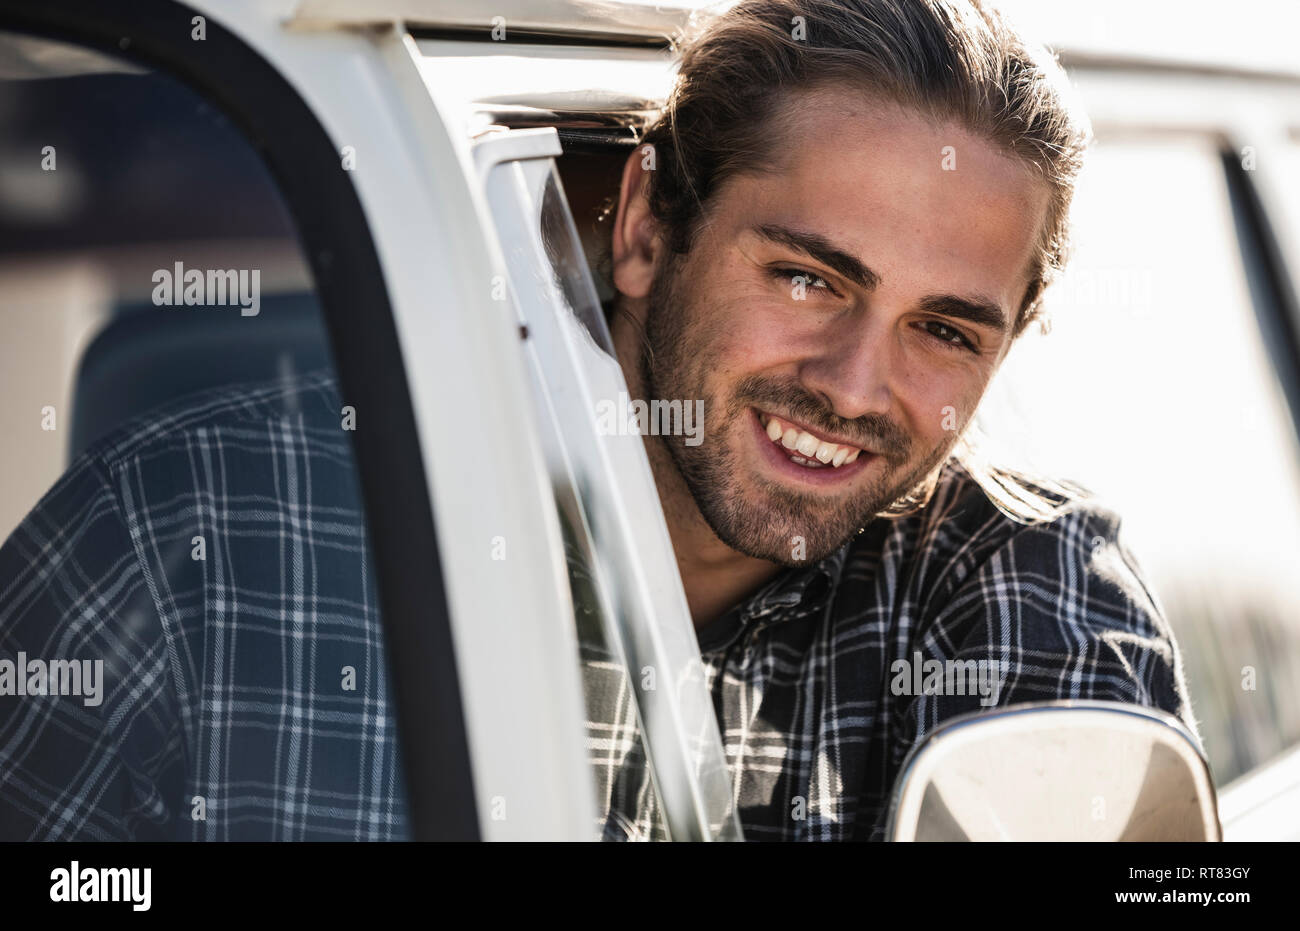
871, 431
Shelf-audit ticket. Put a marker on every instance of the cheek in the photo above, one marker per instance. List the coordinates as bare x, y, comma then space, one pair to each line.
747, 332
747, 349
939, 402
754, 323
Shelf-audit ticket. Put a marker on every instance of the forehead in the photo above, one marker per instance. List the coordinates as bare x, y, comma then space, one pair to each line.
924, 204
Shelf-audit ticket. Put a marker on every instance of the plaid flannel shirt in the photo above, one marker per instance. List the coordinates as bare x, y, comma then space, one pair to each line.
816, 712
214, 556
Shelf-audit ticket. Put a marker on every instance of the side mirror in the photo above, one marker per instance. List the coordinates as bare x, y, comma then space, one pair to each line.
1056, 771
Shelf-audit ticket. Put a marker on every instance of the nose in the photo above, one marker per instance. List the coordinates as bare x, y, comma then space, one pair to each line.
853, 372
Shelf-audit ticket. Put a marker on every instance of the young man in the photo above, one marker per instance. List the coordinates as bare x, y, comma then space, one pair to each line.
853, 209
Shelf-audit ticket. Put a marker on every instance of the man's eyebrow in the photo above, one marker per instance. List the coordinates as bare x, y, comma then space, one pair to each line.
820, 248
978, 311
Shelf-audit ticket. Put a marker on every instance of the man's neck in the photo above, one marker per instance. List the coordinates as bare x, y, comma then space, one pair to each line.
715, 576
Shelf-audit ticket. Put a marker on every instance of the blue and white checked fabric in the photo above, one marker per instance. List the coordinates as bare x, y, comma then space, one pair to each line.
245, 693
816, 720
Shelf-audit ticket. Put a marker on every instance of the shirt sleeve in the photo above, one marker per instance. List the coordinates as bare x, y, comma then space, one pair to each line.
91, 746
1058, 611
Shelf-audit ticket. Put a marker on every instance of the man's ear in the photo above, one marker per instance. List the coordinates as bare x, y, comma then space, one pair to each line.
636, 242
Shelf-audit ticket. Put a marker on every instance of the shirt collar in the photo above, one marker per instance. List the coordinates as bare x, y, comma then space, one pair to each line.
797, 587
793, 592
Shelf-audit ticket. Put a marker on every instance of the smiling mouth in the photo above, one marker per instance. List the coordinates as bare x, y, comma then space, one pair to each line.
805, 448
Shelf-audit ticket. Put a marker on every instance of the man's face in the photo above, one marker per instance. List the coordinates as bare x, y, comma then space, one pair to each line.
841, 316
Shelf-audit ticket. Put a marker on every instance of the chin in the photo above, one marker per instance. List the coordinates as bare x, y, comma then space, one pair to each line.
766, 519
774, 533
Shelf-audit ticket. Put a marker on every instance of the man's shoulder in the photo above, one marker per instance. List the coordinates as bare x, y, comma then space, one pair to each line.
1058, 600
997, 502
219, 443
982, 519
310, 399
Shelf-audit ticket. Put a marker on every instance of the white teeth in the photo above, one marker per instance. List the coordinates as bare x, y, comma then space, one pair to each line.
811, 451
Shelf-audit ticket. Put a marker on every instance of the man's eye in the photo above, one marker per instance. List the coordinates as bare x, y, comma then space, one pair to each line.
798, 276
947, 335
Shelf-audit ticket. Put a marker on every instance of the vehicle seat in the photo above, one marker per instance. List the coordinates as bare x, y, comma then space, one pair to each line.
146, 356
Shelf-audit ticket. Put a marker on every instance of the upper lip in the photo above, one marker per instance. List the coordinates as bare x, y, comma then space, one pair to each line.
820, 434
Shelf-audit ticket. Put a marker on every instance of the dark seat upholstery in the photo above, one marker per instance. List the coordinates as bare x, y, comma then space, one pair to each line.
148, 356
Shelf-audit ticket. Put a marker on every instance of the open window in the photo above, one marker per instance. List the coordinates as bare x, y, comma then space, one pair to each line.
152, 256
653, 733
